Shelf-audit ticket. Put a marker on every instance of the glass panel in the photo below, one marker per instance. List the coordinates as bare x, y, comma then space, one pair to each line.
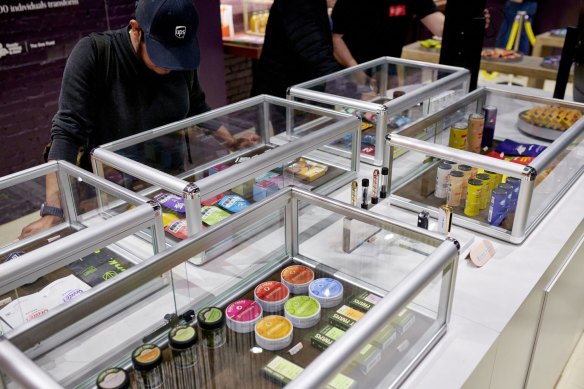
389, 352
384, 83
556, 178
41, 293
20, 205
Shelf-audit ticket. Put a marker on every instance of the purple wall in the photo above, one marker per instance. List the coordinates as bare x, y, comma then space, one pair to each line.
30, 80
211, 71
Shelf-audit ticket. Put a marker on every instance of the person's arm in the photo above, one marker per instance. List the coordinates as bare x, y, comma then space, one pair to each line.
52, 198
73, 123
199, 105
434, 22
342, 52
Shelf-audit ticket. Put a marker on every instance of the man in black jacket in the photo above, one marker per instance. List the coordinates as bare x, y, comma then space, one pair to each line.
297, 47
149, 71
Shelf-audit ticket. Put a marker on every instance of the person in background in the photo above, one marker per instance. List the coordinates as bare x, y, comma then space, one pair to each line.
297, 47
509, 12
363, 32
151, 80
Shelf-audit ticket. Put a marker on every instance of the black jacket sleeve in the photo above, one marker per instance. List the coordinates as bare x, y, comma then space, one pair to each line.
76, 119
307, 35
198, 103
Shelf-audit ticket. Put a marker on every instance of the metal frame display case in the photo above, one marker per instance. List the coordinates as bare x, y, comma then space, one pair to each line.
368, 89
406, 273
538, 181
95, 241
205, 168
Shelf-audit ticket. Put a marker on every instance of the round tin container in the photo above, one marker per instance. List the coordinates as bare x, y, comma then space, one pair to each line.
211, 320
297, 278
242, 315
113, 378
271, 295
274, 332
182, 340
147, 362
327, 291
302, 311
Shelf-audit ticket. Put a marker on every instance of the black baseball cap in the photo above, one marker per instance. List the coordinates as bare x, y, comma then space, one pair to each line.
170, 32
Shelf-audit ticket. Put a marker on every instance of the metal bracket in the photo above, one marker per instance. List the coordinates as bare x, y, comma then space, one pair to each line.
530, 173
191, 191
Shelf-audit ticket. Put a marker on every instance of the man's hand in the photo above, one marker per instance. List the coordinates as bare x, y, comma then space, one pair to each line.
39, 225
245, 140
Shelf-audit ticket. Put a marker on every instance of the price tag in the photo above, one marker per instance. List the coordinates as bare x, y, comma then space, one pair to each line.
481, 252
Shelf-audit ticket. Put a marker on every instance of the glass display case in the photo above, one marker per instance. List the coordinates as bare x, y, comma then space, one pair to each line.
94, 242
387, 94
321, 295
497, 161
200, 179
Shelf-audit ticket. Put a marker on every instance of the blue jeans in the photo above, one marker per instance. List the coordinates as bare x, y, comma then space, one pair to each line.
509, 11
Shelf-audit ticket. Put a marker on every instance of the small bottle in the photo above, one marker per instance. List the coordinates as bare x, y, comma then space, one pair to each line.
365, 198
113, 378
384, 182
444, 218
182, 340
423, 219
354, 189
375, 188
147, 362
211, 320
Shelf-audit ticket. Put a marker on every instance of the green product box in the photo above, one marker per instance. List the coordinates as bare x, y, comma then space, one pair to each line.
404, 320
364, 301
283, 372
367, 358
385, 337
345, 317
245, 189
326, 337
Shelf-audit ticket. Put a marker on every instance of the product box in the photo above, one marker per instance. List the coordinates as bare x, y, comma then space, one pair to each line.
365, 360
364, 301
263, 189
326, 337
283, 372
345, 317
385, 337
404, 320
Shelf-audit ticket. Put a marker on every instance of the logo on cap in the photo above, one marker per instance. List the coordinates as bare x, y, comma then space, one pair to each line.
180, 31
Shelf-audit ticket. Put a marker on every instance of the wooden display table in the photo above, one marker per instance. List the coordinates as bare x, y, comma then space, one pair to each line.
544, 43
528, 66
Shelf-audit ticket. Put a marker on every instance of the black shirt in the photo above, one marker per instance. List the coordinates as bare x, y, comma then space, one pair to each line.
297, 47
136, 99
377, 28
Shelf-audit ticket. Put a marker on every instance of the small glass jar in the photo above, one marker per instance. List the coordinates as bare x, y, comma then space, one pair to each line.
147, 362
182, 340
113, 378
212, 323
